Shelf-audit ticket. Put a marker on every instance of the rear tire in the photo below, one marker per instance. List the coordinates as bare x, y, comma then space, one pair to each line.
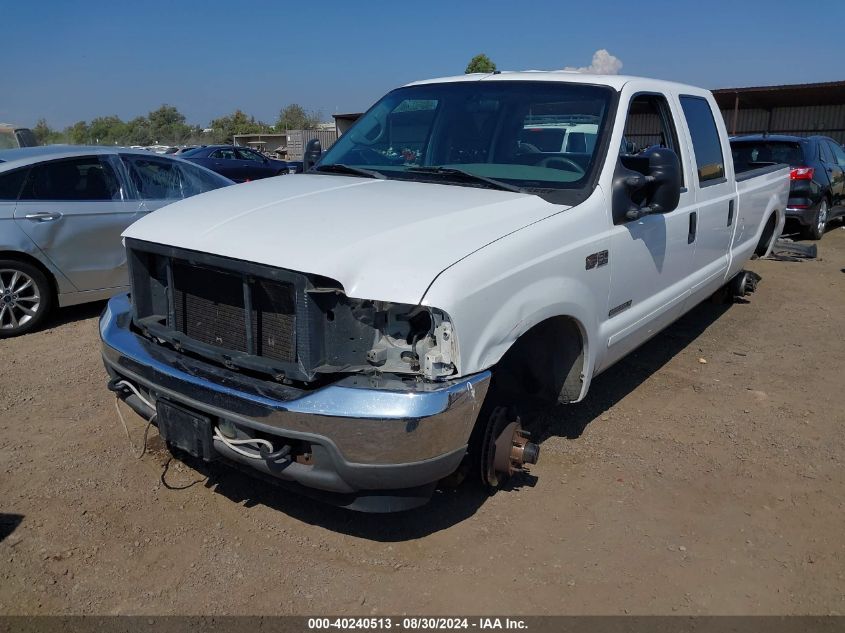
26, 297
816, 230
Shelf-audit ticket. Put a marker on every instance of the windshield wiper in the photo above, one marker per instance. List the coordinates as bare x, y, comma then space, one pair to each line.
340, 168
468, 176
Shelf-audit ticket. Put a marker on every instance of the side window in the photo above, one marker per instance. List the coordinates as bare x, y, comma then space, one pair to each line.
838, 154
11, 182
824, 152
224, 154
72, 179
245, 154
650, 124
197, 180
705, 139
155, 178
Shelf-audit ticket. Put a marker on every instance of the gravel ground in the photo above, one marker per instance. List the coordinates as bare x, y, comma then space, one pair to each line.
703, 474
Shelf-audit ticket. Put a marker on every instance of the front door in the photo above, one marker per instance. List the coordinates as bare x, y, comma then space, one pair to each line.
253, 164
650, 258
75, 210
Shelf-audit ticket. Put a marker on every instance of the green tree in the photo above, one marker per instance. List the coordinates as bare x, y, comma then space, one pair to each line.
480, 64
167, 125
236, 123
107, 130
45, 134
295, 117
138, 132
78, 133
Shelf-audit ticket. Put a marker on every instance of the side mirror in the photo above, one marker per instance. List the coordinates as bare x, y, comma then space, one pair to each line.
312, 154
649, 182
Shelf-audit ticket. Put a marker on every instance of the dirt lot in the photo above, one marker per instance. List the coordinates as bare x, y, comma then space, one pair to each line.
678, 486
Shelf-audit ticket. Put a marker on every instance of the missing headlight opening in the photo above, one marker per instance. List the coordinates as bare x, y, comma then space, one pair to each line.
413, 339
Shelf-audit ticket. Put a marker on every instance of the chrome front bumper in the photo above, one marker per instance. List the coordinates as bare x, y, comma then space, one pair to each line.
368, 433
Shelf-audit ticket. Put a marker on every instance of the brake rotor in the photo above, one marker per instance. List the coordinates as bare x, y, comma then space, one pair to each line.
505, 449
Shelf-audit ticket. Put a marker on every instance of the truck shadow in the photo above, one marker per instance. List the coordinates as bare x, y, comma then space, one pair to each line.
611, 386
8, 524
446, 508
450, 507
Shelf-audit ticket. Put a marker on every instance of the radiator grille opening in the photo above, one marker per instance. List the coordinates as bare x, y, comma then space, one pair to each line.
210, 308
274, 319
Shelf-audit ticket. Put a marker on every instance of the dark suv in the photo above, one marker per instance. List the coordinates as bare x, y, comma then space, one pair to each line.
817, 194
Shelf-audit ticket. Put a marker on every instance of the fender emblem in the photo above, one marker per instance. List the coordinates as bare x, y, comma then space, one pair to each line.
597, 259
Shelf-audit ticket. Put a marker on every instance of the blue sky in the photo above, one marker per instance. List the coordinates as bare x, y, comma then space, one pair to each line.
68, 61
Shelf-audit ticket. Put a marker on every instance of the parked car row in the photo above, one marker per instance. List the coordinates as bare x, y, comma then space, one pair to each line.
817, 175
238, 163
62, 212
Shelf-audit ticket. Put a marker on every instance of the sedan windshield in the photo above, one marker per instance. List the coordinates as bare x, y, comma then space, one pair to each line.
515, 135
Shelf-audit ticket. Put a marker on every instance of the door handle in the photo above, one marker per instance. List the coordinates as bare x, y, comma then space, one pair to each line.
730, 212
43, 216
693, 225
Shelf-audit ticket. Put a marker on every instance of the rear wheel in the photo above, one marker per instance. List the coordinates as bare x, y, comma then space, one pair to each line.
25, 297
816, 230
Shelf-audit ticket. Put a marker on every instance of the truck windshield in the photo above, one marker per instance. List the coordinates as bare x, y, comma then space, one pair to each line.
527, 135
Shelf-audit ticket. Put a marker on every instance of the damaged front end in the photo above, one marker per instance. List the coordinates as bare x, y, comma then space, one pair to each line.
295, 327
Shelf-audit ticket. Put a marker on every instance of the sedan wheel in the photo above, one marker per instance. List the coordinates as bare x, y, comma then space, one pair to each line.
24, 298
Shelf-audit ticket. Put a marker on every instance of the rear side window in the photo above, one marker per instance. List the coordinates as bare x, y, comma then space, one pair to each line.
10, 184
196, 180
162, 179
826, 154
73, 179
224, 154
705, 139
838, 154
155, 178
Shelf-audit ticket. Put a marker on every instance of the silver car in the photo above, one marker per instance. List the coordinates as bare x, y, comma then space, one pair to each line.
62, 210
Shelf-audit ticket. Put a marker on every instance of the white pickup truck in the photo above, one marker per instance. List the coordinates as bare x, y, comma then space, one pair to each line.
472, 246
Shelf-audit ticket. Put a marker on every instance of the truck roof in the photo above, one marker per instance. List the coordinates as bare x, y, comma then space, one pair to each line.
570, 76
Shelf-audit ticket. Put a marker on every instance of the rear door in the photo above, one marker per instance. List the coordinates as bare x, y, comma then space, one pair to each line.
75, 209
224, 161
834, 159
715, 210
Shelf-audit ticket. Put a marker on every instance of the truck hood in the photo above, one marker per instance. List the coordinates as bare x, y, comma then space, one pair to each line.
381, 239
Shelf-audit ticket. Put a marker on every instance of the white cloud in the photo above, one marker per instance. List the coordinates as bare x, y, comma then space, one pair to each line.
603, 64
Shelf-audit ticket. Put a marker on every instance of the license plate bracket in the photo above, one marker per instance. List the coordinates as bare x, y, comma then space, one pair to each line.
186, 429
